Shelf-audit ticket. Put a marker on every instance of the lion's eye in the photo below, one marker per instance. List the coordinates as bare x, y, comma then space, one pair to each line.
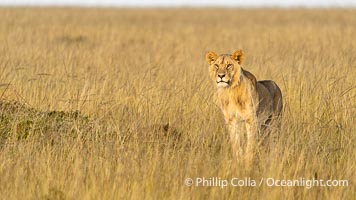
229, 66
216, 66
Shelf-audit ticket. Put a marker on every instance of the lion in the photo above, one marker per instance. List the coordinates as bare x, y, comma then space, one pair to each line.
244, 99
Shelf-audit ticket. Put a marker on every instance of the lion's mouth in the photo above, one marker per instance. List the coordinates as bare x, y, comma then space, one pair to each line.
222, 83
227, 82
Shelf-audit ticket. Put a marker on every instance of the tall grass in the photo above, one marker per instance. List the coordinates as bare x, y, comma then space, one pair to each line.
117, 103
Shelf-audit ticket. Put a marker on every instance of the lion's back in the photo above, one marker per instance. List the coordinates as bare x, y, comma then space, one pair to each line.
275, 93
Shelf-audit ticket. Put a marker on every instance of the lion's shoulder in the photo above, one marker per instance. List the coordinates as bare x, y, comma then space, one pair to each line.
250, 76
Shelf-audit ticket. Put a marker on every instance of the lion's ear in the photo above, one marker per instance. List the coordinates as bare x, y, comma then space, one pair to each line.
211, 57
238, 56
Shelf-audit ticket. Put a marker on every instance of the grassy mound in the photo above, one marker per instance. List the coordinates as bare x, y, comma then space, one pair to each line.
19, 121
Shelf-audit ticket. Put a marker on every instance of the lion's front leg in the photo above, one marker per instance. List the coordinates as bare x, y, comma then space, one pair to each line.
252, 129
235, 138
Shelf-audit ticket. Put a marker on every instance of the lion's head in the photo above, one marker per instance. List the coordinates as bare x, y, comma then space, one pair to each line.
225, 69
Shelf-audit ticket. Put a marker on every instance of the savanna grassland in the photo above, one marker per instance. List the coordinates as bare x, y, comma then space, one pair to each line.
117, 103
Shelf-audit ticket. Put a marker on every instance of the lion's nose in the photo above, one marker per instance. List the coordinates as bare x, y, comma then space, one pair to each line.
221, 75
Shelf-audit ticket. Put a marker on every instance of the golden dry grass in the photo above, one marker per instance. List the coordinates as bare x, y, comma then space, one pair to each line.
131, 72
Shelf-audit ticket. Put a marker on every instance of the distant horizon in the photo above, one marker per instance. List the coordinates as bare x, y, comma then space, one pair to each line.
183, 3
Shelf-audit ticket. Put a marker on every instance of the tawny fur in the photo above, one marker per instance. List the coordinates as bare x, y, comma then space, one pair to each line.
243, 98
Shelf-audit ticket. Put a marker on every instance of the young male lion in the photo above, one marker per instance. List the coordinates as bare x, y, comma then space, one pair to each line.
257, 103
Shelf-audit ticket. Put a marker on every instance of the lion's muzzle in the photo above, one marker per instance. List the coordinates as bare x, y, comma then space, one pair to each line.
222, 80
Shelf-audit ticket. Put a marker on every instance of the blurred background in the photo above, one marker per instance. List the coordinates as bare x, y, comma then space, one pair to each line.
184, 3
